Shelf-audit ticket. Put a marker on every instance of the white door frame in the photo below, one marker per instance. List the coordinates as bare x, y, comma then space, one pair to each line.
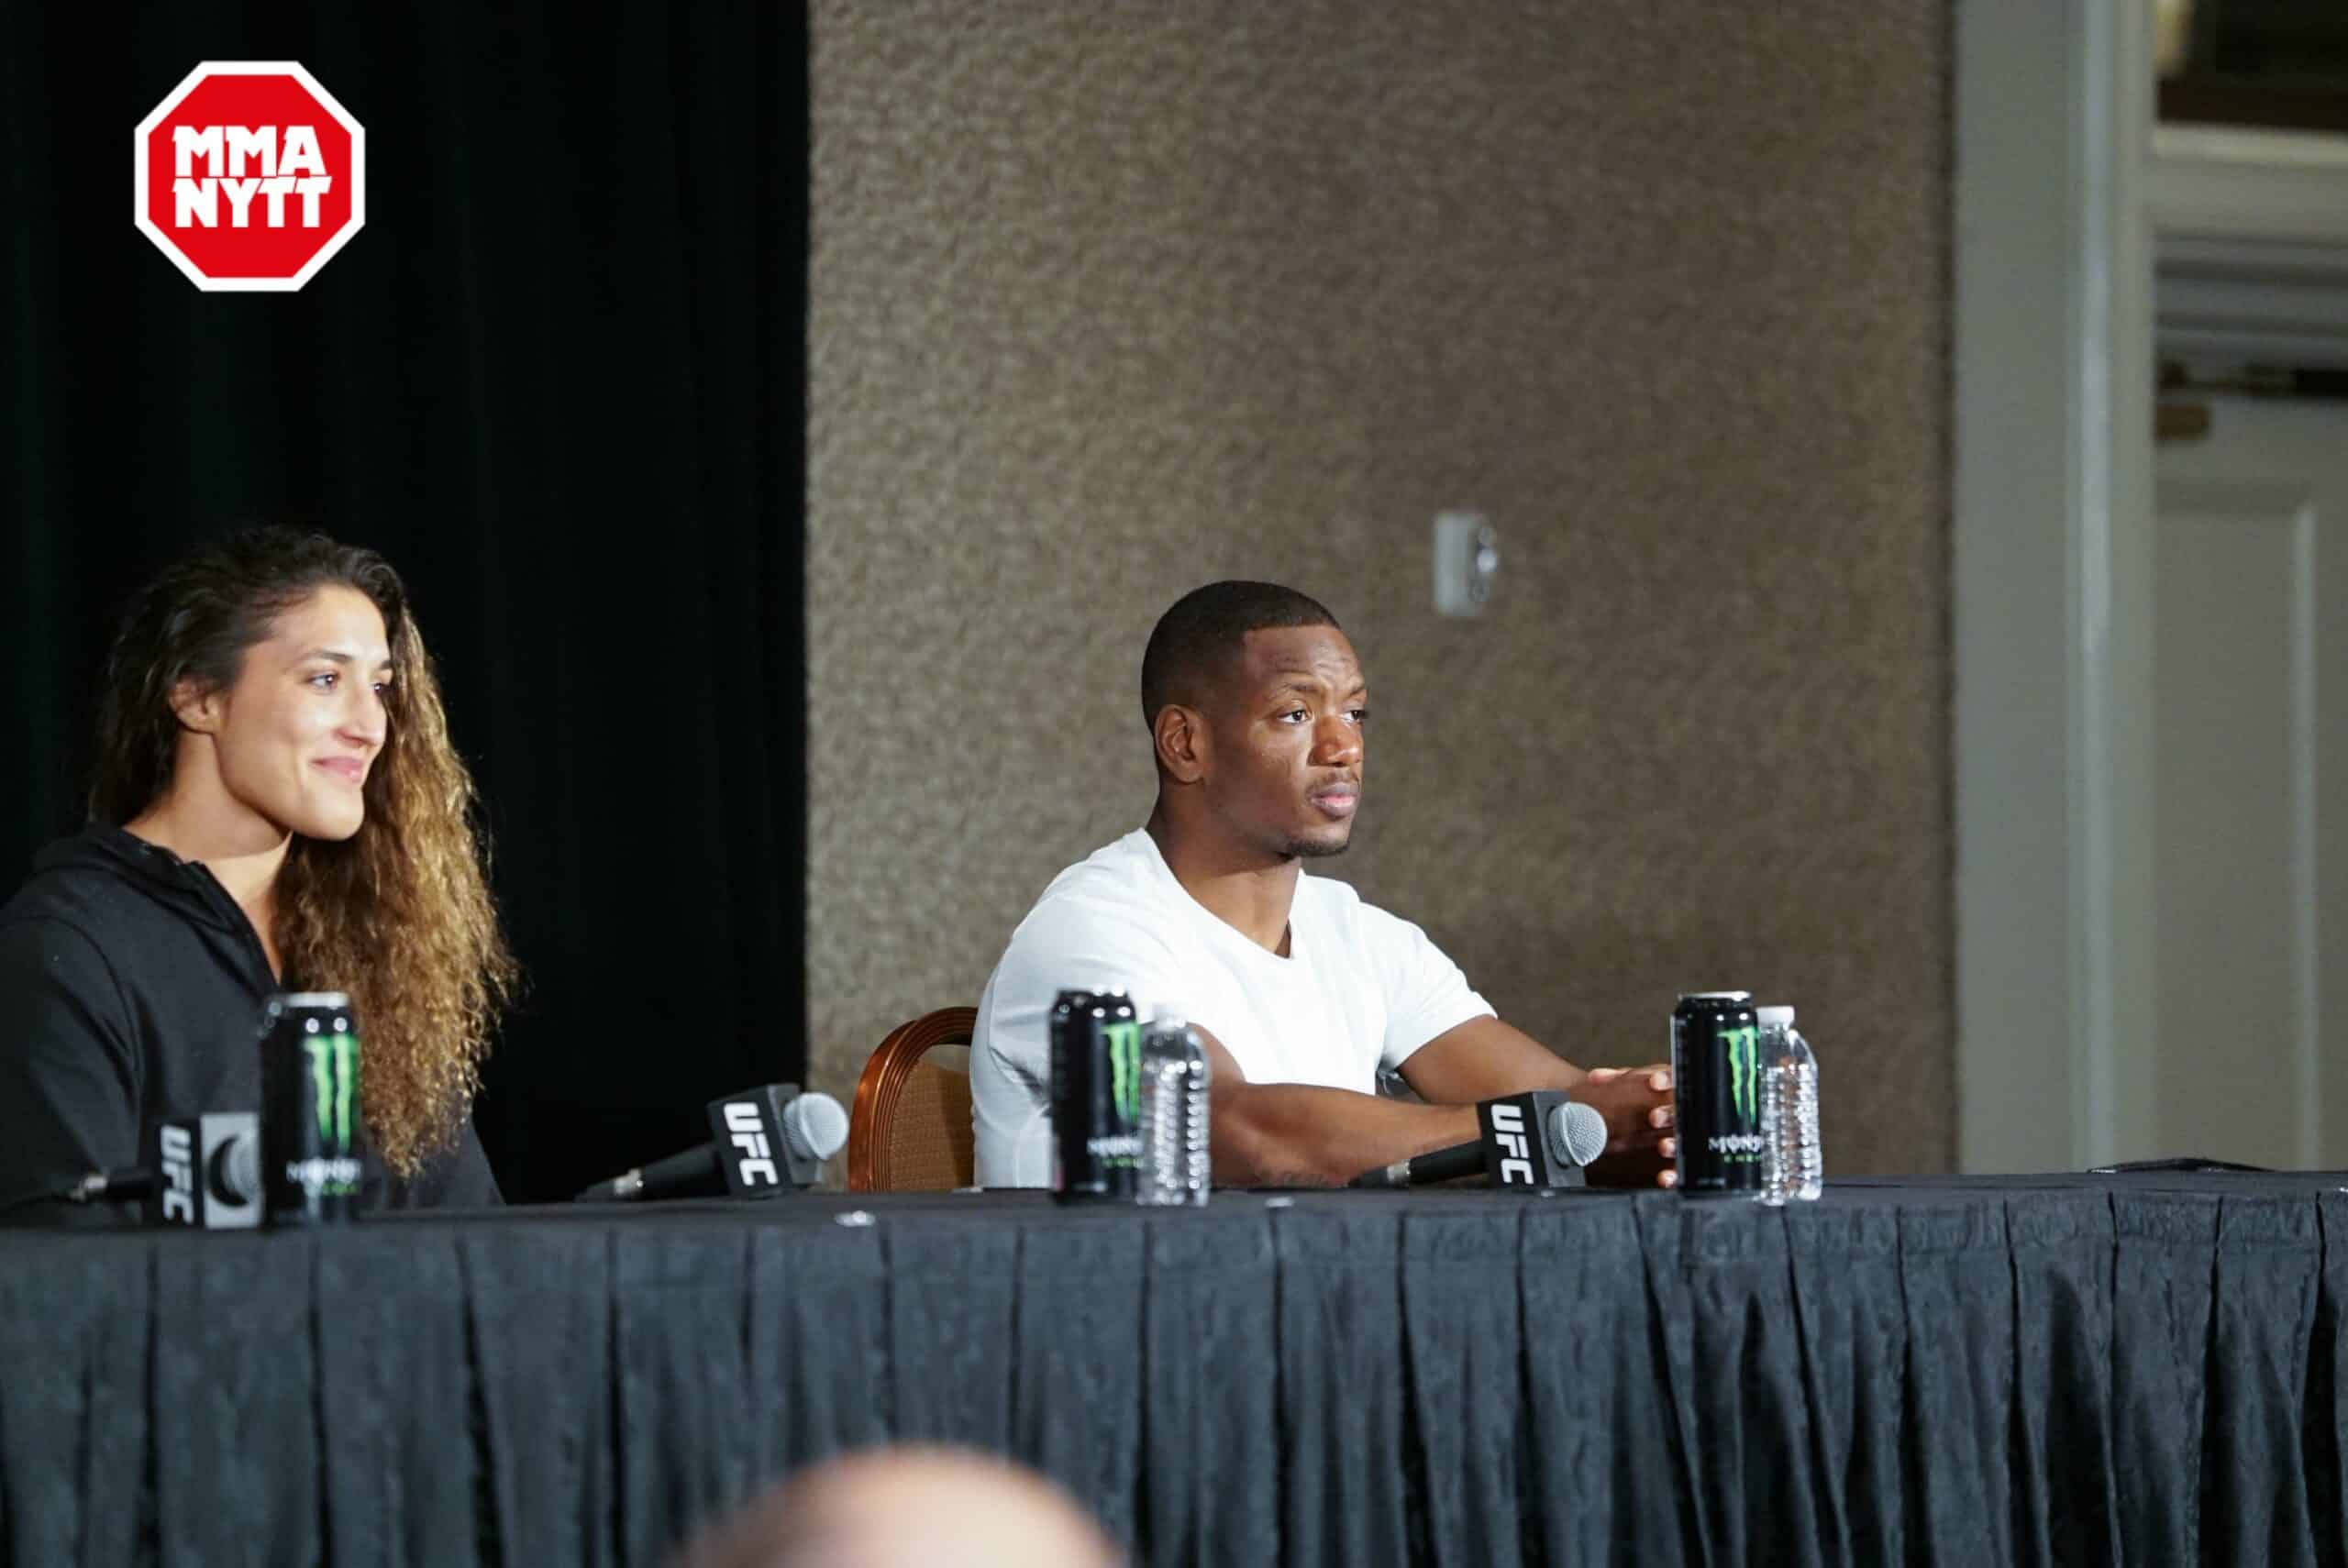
2067, 195
2049, 579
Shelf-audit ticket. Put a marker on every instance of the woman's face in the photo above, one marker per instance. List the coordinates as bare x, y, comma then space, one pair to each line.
304, 721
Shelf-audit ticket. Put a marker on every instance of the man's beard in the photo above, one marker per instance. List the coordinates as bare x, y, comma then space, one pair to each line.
1314, 848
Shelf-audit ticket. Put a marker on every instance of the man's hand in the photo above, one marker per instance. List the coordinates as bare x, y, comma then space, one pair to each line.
1483, 1059
1641, 1144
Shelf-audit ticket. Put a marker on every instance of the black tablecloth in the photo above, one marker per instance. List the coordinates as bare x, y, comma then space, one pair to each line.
2111, 1370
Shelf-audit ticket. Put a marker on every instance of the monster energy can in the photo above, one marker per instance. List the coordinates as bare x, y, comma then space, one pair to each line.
309, 1108
1716, 1074
1096, 1097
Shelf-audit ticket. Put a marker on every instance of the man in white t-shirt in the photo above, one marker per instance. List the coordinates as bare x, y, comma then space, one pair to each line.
1302, 992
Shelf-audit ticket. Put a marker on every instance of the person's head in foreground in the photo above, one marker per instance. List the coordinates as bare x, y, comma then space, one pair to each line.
269, 694
908, 1508
1255, 706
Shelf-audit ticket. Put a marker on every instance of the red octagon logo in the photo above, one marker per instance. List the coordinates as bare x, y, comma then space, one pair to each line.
249, 176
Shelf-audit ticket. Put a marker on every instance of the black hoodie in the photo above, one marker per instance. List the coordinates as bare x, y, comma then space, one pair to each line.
131, 989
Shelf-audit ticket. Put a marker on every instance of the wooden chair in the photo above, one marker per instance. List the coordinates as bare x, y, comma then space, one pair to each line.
911, 1129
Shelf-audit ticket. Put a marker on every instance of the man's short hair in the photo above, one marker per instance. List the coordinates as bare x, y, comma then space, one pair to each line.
1206, 630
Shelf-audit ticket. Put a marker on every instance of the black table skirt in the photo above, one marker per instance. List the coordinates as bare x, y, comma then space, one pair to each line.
1951, 1373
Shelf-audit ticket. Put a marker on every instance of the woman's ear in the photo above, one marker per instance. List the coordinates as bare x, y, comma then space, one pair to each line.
198, 708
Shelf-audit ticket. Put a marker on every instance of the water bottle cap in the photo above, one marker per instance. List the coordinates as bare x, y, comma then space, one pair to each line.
1768, 1017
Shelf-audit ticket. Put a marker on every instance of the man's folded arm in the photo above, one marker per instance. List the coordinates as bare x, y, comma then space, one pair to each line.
1483, 1059
1304, 1135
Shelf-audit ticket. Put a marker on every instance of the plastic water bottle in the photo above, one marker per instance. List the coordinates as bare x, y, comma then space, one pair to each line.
1175, 1164
1793, 1165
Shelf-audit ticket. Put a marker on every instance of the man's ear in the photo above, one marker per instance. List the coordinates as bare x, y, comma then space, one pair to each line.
1182, 736
198, 708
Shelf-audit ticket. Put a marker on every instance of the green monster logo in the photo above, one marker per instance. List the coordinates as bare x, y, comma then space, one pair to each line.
334, 1072
1745, 1070
1124, 1069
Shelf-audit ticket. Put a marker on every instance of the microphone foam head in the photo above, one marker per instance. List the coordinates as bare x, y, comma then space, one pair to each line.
235, 1171
1579, 1130
816, 1125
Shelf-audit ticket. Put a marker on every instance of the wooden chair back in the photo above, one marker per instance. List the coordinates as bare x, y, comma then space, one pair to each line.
910, 1130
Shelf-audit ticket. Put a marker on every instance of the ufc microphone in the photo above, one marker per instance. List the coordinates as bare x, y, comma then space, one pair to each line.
1532, 1140
763, 1140
199, 1171
206, 1171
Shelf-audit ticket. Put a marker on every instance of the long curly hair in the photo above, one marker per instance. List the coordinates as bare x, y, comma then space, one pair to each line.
399, 915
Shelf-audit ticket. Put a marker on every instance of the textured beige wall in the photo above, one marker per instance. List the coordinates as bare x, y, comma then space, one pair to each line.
1112, 298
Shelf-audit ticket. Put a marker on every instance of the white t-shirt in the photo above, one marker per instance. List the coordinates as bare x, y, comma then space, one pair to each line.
1359, 990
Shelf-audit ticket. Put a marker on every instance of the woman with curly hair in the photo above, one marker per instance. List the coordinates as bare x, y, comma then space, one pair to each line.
277, 808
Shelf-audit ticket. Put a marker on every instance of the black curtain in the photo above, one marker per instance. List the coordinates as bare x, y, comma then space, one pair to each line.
559, 380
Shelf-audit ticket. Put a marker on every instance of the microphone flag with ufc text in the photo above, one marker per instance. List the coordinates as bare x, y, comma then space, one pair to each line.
1534, 1141
771, 1139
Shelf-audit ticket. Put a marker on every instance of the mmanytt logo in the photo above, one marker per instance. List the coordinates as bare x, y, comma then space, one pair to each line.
1745, 1070
334, 1073
756, 1161
248, 175
1508, 1126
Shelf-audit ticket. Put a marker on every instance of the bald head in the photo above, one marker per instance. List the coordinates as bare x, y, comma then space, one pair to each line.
1204, 636
908, 1508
